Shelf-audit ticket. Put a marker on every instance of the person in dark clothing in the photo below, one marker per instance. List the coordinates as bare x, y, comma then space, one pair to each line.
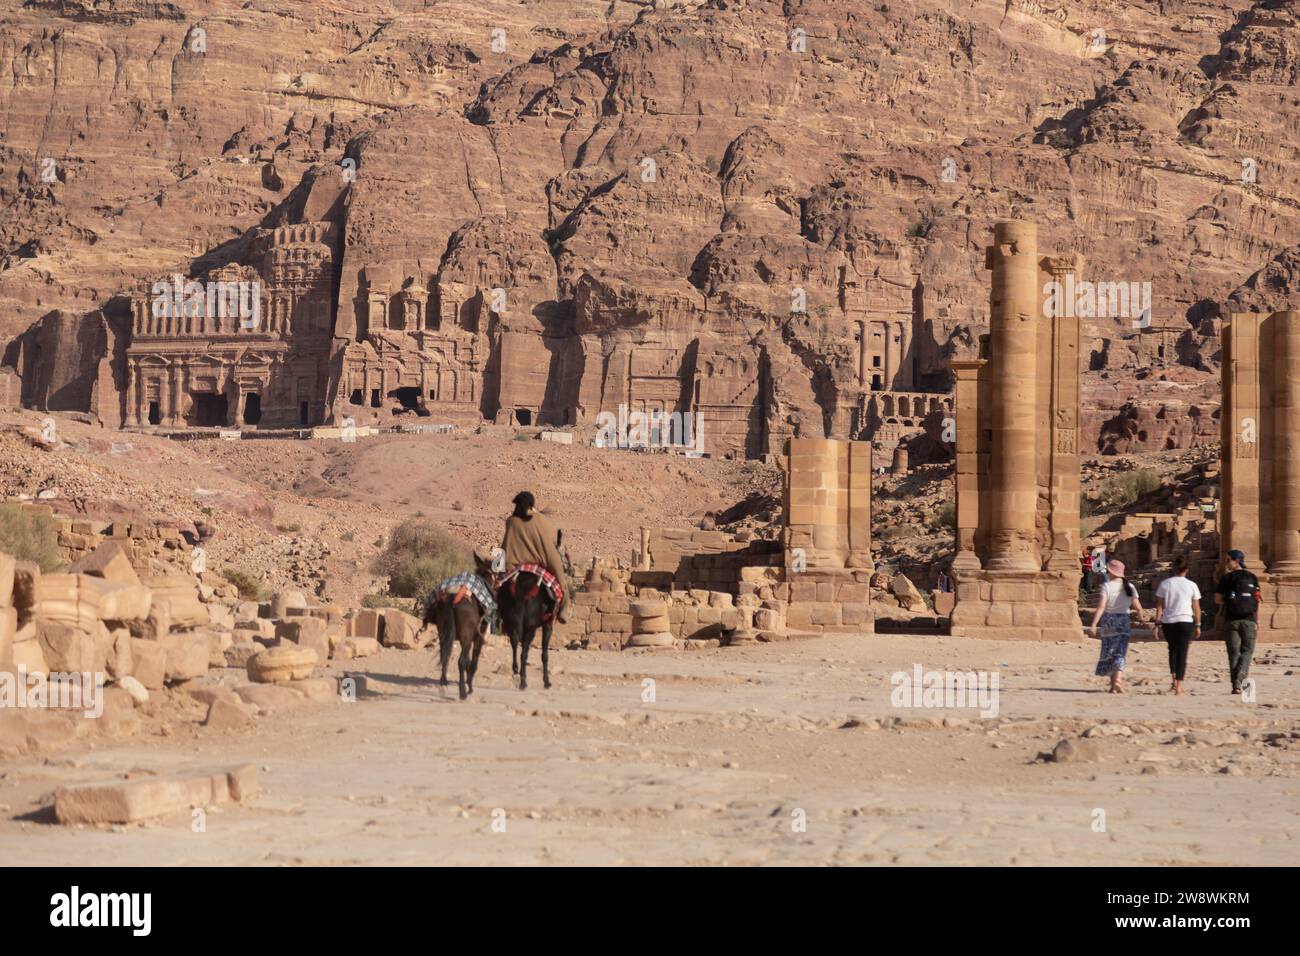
1238, 599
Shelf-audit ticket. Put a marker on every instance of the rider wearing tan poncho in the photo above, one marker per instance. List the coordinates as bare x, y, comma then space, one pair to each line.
531, 539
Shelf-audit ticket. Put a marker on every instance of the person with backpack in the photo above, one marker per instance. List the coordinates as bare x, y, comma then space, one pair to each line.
1178, 608
1118, 599
1238, 596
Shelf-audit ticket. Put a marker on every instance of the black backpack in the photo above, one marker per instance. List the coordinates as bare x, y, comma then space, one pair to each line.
1243, 603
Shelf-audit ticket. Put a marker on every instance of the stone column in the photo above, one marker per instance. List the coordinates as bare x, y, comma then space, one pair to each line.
864, 360
1059, 368
132, 394
965, 424
1015, 307
1285, 490
1243, 427
899, 465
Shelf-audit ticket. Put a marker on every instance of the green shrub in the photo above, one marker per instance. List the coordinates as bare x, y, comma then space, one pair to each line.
249, 587
1119, 491
29, 536
946, 516
419, 554
382, 599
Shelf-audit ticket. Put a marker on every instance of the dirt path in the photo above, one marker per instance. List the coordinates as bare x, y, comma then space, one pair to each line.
735, 749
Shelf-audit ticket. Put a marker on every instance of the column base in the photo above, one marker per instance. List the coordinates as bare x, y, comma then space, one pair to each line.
830, 601
1013, 605
1279, 610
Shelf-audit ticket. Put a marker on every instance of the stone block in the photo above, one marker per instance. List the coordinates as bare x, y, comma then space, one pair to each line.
148, 663
30, 656
247, 611
111, 562
225, 713
240, 653
69, 648
284, 601
221, 616
400, 630
999, 615
855, 614
127, 801
826, 613
7, 564
8, 629
616, 622
1026, 615
118, 659
354, 647
218, 643
367, 623
186, 656
270, 697
120, 601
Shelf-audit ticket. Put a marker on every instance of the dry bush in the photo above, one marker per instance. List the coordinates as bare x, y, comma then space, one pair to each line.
29, 537
419, 554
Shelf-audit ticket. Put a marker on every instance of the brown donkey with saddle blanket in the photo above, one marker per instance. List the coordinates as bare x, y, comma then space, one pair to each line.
463, 608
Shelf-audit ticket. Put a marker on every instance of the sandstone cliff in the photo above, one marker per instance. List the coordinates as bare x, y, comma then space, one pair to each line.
760, 210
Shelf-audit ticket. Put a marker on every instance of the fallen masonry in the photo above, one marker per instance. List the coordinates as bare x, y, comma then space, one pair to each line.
130, 800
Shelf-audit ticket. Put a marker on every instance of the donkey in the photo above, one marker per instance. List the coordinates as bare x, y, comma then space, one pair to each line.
460, 617
525, 606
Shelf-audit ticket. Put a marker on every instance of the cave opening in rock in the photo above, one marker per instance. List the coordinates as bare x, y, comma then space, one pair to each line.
155, 413
524, 416
408, 396
252, 408
356, 397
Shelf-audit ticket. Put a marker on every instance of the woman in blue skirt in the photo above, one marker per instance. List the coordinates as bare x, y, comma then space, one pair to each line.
1110, 622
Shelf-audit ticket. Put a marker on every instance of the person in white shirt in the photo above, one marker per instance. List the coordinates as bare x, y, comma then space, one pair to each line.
1118, 600
1178, 608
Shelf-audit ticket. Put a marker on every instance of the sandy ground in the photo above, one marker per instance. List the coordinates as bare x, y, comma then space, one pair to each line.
737, 749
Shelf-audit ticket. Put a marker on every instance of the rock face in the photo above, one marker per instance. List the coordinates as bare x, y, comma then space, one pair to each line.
770, 214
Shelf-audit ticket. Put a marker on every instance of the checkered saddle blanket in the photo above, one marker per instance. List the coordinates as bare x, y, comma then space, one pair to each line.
447, 589
548, 581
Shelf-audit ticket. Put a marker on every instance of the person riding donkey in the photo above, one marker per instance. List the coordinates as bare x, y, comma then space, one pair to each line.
530, 538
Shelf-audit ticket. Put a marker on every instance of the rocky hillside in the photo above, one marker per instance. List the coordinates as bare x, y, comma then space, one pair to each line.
678, 165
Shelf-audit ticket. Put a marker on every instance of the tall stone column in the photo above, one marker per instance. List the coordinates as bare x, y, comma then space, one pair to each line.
132, 394
1285, 492
968, 488
1059, 373
864, 360
1015, 307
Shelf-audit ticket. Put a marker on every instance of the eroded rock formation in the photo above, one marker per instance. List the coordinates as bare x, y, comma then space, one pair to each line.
769, 213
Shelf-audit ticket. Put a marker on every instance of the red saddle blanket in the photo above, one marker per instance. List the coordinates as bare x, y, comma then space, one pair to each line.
548, 580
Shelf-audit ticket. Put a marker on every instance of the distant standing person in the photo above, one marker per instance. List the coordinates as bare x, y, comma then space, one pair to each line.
1118, 600
1178, 609
1238, 597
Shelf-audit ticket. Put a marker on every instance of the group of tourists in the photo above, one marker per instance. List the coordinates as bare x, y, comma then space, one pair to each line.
1177, 619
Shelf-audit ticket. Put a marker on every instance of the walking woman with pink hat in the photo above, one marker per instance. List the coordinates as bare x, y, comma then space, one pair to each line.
1117, 601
